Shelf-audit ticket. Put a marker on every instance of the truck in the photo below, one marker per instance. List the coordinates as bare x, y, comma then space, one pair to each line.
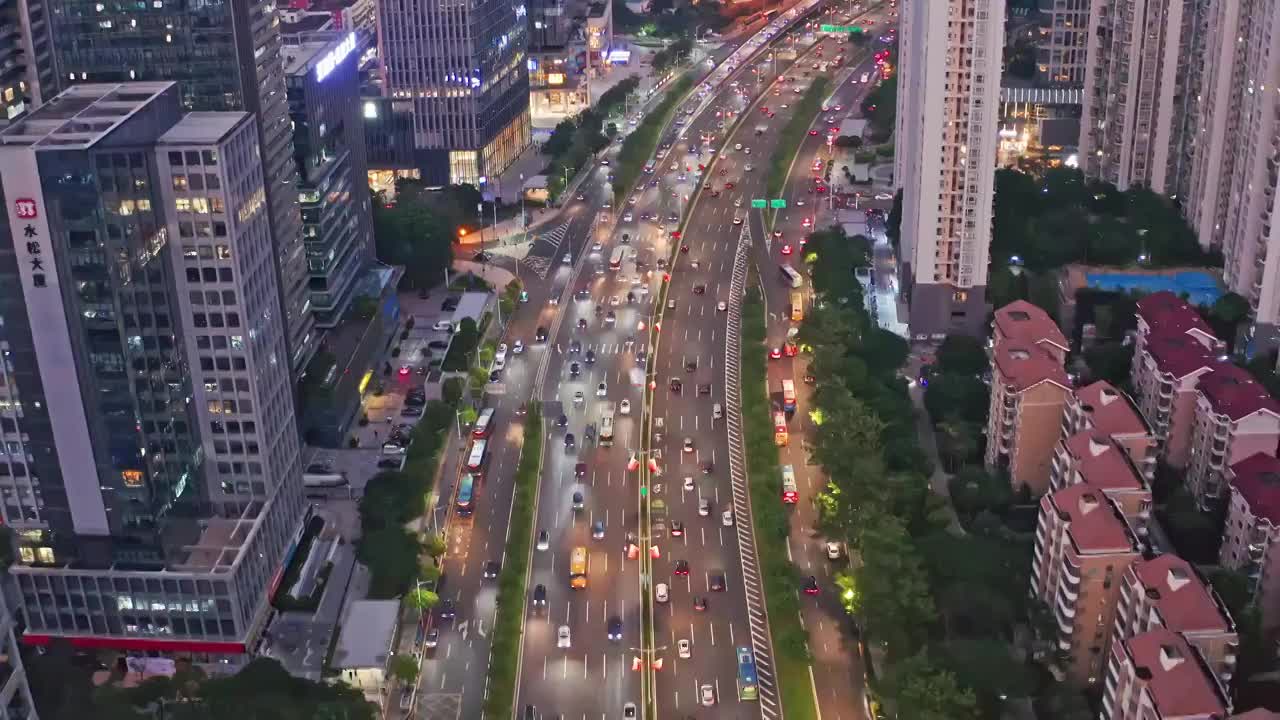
606, 426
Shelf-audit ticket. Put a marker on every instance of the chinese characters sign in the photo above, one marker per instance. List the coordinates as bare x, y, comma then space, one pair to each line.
25, 209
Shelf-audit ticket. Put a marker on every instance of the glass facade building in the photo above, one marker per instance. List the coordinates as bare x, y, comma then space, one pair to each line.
26, 60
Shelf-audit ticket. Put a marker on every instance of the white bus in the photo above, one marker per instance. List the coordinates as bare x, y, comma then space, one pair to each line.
484, 424
790, 493
792, 277
475, 461
615, 260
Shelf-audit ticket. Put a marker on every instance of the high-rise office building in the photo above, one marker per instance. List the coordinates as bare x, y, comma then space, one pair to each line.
322, 73
26, 59
458, 81
946, 142
1139, 93
224, 55
152, 473
1060, 59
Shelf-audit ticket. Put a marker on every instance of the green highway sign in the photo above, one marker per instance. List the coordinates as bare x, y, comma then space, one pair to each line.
759, 204
778, 204
840, 28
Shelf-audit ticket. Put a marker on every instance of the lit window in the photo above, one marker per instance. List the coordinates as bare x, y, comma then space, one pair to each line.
182, 205
179, 182
200, 205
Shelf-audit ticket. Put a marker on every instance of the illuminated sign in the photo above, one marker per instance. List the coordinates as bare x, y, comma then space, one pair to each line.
521, 11
555, 78
371, 110
330, 61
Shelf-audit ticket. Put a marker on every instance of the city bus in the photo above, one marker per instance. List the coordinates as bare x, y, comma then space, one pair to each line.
475, 461
790, 493
615, 260
780, 437
789, 395
484, 424
747, 675
578, 568
797, 306
792, 277
466, 495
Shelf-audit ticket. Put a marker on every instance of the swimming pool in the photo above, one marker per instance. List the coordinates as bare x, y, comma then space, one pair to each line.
1201, 288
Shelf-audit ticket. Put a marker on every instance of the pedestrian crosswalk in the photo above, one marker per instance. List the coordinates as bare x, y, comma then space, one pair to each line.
604, 348
545, 251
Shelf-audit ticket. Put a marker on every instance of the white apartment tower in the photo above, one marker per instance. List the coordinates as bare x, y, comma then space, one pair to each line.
1135, 110
948, 94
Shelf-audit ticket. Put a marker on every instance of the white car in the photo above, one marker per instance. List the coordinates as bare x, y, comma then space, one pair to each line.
834, 551
684, 648
443, 326
748, 167
660, 593
579, 398
562, 637
800, 202
737, 220
628, 217
517, 347
746, 151
625, 407
602, 390
737, 203
726, 518
737, 146
567, 259
707, 694
597, 247
722, 306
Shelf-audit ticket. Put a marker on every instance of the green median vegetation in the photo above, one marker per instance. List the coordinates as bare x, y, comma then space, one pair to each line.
394, 499
793, 133
791, 653
505, 654
640, 144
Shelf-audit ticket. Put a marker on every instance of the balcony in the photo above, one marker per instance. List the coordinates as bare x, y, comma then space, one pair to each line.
1065, 628
1071, 573
1065, 610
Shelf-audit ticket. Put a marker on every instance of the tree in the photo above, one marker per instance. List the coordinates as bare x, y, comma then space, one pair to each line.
962, 354
422, 600
434, 546
925, 692
1110, 361
896, 604
391, 554
974, 490
451, 390
403, 668
411, 234
957, 397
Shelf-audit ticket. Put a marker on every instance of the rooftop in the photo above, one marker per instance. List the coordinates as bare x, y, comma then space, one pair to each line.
1185, 602
297, 58
1177, 683
1096, 526
1024, 366
1179, 355
1111, 411
1168, 314
202, 128
1102, 464
367, 633
82, 115
1257, 479
1022, 321
1234, 392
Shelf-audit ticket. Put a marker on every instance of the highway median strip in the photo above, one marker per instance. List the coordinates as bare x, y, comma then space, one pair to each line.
790, 645
792, 136
641, 143
504, 658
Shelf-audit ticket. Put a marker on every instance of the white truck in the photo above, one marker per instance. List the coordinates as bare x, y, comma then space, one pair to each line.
606, 426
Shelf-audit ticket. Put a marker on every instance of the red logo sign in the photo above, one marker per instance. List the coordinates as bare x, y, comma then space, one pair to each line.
25, 208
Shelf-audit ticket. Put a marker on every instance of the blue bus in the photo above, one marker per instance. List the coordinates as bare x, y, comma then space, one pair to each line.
466, 494
747, 689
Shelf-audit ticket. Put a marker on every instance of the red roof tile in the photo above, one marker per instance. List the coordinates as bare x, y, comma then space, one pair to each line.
1024, 366
1095, 524
1184, 601
1233, 391
1179, 355
1022, 321
1101, 463
1257, 478
1179, 685
1168, 314
1113, 412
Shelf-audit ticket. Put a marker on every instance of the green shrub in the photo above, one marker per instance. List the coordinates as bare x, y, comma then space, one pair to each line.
640, 144
793, 134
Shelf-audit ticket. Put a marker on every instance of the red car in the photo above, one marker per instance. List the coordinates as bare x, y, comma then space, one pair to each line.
786, 249
728, 186
684, 249
790, 349
775, 354
813, 132
821, 189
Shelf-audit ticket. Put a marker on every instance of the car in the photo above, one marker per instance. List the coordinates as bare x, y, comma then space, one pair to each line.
629, 711
717, 582
570, 442
775, 353
641, 356
411, 412
811, 585
810, 379
491, 569
432, 639
704, 389
582, 323
677, 528
676, 385
786, 249
699, 289
597, 530
578, 500
684, 648
681, 568
575, 346
563, 638
726, 518
443, 326
624, 407
405, 369
562, 420
580, 470
574, 370
610, 317
540, 595
495, 376
704, 506
517, 348
446, 610
590, 357
722, 306
391, 463
737, 146
728, 186
700, 603
437, 345
544, 540
614, 628
661, 593
813, 132
671, 304
540, 335
579, 197
748, 167
602, 390
737, 220
688, 444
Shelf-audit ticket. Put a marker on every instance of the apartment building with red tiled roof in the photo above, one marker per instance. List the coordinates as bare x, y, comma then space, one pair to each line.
1251, 534
1235, 418
1099, 461
1165, 373
1158, 676
1100, 407
1027, 324
1028, 391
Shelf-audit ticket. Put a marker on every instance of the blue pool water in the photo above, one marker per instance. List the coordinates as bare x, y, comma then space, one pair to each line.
1202, 288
